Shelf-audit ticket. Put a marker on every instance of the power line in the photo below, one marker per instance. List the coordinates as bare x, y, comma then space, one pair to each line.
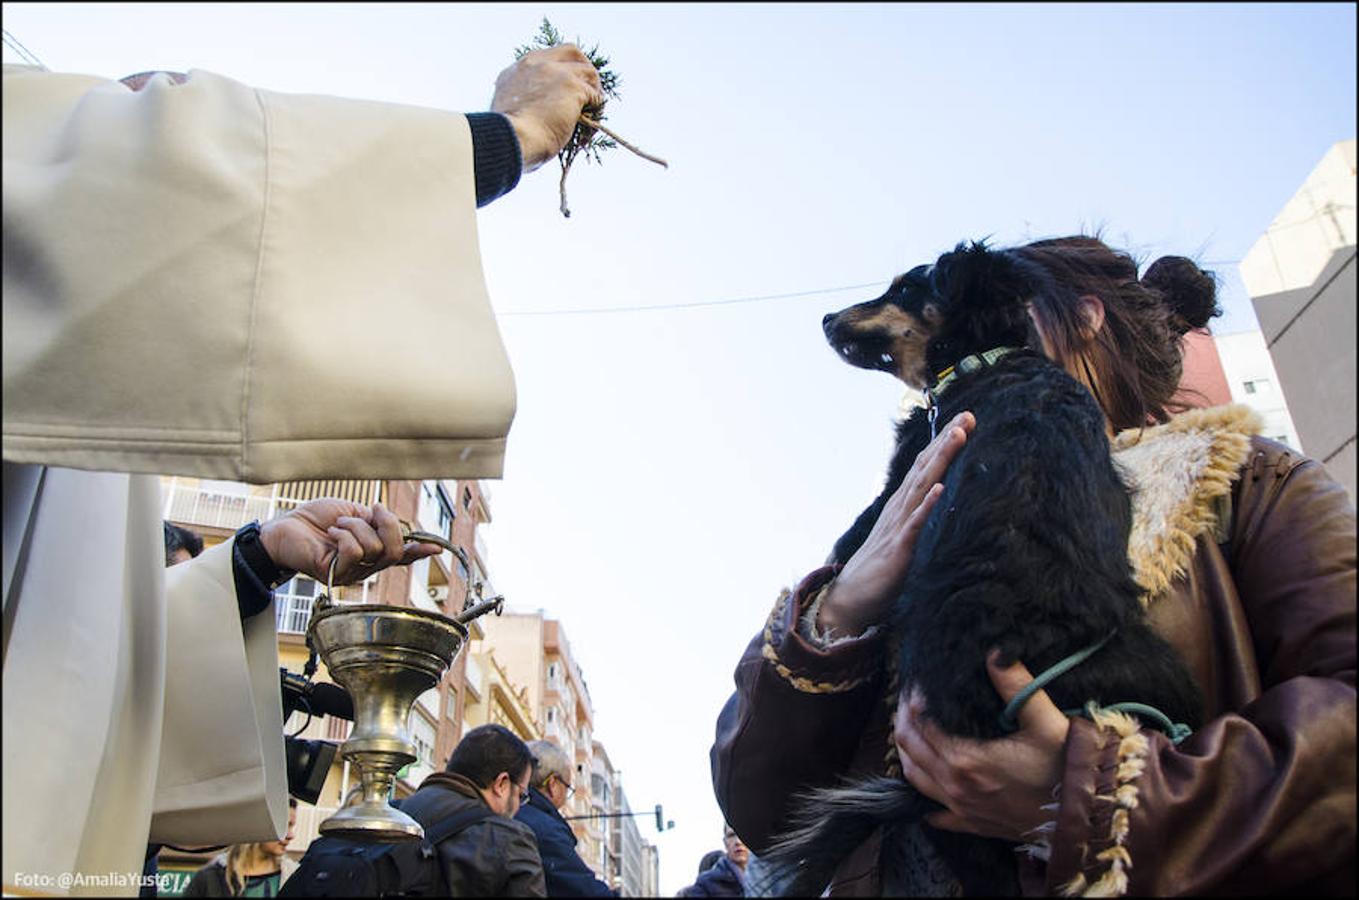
734, 300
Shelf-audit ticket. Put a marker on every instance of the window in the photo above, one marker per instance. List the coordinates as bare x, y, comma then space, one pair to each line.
446, 513
1258, 386
422, 735
466, 498
551, 715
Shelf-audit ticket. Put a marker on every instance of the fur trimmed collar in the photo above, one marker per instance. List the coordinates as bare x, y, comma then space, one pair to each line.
1181, 474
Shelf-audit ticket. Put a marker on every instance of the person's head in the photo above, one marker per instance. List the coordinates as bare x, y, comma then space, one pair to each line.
551, 772
494, 759
709, 860
243, 860
1118, 334
734, 847
181, 544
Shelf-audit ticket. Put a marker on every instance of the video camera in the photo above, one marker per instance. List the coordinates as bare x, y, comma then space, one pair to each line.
309, 760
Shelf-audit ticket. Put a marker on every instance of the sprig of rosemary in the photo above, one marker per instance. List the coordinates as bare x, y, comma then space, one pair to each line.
591, 136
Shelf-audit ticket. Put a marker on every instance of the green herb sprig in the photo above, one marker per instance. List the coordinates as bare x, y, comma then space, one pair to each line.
591, 137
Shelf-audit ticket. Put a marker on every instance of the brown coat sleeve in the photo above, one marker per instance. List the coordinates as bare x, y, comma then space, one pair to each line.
796, 719
1262, 799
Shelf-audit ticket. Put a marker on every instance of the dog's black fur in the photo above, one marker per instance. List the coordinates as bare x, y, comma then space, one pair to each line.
1025, 551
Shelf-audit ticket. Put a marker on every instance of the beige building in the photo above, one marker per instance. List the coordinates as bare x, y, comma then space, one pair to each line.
534, 652
1301, 278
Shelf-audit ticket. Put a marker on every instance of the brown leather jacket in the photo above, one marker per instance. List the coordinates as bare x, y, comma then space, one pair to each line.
1247, 551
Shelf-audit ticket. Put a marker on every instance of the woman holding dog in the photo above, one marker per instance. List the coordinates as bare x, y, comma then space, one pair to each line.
1246, 552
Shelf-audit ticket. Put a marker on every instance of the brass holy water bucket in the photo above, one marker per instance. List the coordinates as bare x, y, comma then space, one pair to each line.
385, 657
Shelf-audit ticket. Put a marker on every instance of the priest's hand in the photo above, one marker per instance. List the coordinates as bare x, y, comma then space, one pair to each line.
543, 95
367, 540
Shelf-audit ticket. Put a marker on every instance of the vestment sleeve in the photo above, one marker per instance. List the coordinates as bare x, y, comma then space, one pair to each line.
245, 245
222, 775
1260, 800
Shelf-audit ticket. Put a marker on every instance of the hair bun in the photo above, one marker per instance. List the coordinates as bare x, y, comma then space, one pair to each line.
1189, 292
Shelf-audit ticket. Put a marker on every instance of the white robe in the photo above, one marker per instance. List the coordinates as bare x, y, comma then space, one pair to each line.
210, 280
136, 705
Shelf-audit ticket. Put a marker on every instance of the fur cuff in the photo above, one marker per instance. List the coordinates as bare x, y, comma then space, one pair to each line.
1130, 761
825, 639
775, 634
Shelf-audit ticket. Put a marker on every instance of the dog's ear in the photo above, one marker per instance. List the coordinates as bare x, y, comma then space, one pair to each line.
978, 278
980, 294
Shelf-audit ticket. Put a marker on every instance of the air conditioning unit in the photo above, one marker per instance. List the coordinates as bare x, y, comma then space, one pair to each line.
439, 593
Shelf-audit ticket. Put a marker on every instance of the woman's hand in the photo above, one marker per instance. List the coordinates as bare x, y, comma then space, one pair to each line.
991, 788
862, 594
367, 540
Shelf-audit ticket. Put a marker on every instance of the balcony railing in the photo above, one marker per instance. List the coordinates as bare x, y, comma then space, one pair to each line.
293, 613
197, 504
294, 610
215, 510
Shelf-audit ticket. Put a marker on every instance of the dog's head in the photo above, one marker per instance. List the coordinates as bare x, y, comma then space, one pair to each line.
971, 300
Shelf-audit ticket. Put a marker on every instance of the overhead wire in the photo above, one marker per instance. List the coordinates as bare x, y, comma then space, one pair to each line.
732, 301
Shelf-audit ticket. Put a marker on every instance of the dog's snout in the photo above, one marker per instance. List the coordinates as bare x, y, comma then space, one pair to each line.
826, 319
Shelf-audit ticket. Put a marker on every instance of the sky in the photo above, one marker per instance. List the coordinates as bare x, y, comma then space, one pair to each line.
669, 470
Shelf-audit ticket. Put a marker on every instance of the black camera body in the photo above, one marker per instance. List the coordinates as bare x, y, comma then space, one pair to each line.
309, 761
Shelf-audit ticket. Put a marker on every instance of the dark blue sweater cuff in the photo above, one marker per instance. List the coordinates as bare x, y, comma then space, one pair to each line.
496, 157
255, 574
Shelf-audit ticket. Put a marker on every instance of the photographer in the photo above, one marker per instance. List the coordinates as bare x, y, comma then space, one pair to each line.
281, 252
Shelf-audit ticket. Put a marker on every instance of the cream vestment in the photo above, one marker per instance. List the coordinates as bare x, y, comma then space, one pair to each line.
210, 280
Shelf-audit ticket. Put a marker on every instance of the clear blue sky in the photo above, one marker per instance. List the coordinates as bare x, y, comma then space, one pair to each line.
669, 471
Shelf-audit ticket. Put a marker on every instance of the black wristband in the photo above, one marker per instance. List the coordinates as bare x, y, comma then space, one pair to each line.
496, 158
255, 573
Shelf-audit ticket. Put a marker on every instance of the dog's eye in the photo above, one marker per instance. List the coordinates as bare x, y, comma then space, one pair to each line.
907, 333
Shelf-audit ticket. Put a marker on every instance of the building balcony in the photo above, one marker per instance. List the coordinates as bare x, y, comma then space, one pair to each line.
292, 603
229, 504
209, 507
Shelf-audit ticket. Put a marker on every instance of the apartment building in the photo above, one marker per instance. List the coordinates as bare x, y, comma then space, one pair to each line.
1301, 278
534, 651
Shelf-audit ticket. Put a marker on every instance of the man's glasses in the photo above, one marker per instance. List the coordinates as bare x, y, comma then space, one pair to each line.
547, 783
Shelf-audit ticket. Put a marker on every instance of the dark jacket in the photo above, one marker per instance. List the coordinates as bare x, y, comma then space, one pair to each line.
567, 874
1251, 577
496, 857
724, 879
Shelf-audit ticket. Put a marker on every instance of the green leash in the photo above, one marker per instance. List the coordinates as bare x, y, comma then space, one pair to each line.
1176, 731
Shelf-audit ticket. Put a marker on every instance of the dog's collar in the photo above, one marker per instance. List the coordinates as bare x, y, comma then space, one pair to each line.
969, 363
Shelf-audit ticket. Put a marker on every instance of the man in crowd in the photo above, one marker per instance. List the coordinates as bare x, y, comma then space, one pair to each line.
567, 874
727, 877
494, 856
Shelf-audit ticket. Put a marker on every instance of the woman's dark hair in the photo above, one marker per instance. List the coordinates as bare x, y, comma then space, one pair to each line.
1134, 363
486, 751
177, 538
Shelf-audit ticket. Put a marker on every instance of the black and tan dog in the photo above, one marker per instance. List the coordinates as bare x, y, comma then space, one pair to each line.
1025, 551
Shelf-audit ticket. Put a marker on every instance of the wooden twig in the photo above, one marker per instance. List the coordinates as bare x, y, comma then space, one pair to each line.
591, 123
